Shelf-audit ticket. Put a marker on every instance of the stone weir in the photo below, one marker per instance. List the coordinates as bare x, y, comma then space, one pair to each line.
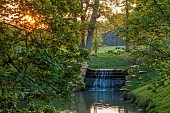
112, 73
104, 79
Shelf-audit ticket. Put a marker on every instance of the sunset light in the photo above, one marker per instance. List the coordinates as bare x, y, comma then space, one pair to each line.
26, 20
29, 19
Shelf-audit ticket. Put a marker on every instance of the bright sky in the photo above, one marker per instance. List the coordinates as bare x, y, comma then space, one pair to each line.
113, 5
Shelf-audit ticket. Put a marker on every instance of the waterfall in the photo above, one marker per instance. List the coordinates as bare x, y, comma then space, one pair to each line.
104, 80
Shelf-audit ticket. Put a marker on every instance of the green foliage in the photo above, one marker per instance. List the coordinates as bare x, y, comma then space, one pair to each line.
128, 96
143, 76
148, 32
117, 51
97, 42
39, 63
147, 92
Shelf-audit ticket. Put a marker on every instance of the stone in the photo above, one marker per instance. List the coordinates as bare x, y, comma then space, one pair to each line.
133, 76
141, 72
134, 66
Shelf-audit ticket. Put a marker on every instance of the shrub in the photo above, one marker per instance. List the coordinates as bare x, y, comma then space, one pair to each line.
128, 96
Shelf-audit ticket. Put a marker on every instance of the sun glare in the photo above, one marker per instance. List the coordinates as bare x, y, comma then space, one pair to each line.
29, 19
13, 15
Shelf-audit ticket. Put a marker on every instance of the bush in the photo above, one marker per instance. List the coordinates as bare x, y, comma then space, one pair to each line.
128, 96
151, 106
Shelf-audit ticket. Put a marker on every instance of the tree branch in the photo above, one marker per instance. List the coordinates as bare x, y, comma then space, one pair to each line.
10, 24
13, 63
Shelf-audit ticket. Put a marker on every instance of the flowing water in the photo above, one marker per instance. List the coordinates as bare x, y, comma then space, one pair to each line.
103, 83
104, 80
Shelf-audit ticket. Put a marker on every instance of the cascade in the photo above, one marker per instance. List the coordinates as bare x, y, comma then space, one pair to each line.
104, 79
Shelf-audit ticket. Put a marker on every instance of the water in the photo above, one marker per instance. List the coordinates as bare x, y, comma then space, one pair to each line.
98, 102
101, 95
104, 81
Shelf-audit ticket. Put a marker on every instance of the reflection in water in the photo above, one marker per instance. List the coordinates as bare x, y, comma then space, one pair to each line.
100, 108
107, 102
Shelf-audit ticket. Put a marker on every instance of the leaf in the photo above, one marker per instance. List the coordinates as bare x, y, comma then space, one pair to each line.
0, 92
20, 77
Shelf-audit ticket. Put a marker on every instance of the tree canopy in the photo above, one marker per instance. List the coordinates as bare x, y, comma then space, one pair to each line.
148, 32
39, 55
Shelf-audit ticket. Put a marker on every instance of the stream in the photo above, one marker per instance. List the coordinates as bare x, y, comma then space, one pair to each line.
98, 102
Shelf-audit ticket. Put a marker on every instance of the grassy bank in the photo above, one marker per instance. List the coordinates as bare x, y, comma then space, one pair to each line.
145, 96
155, 102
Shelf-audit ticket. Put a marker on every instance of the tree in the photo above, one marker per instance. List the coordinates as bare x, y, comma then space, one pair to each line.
148, 31
92, 10
85, 5
97, 42
84, 17
39, 55
127, 15
127, 8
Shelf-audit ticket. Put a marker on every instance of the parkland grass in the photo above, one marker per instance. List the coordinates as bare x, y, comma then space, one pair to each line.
110, 58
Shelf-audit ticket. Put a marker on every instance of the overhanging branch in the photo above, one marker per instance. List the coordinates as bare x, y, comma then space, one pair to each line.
11, 24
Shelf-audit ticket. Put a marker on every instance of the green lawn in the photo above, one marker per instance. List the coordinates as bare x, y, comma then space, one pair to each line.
108, 48
109, 61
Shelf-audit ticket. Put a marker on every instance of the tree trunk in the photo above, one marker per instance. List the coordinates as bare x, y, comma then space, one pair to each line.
83, 19
96, 41
127, 15
82, 45
92, 25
